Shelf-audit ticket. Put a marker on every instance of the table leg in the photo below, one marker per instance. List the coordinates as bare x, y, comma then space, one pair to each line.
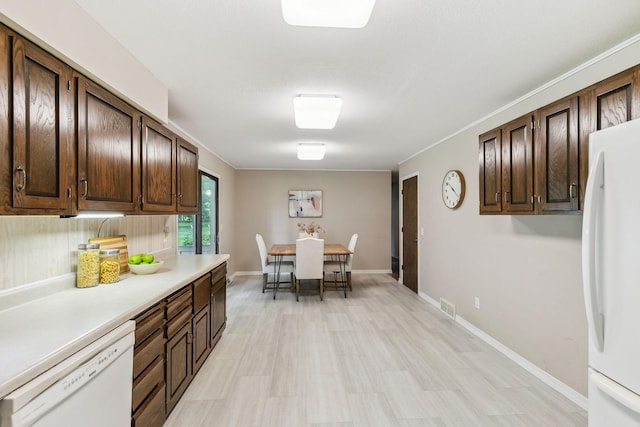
276, 272
343, 272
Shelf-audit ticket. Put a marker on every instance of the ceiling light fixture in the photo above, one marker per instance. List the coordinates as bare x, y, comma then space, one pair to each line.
311, 151
327, 13
316, 111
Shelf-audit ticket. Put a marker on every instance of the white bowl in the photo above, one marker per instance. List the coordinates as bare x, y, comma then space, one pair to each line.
145, 268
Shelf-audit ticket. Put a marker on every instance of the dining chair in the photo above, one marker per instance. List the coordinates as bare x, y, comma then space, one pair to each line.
333, 266
271, 267
309, 263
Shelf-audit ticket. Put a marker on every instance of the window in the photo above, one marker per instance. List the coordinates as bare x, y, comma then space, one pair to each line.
198, 234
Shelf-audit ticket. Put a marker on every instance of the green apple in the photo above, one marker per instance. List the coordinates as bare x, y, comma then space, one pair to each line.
147, 258
135, 259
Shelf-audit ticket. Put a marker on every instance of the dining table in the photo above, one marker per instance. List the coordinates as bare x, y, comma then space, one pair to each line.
281, 250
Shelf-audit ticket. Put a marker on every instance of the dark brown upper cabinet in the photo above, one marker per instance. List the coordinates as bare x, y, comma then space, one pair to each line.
159, 182
108, 135
491, 172
41, 173
557, 162
517, 166
188, 188
608, 103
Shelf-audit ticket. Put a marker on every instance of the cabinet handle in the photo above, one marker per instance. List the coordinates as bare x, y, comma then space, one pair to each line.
505, 196
572, 190
497, 197
86, 187
19, 188
533, 199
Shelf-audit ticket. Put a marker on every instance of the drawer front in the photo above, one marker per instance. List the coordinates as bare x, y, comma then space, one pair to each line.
149, 322
152, 411
149, 379
201, 292
177, 302
146, 352
178, 322
220, 272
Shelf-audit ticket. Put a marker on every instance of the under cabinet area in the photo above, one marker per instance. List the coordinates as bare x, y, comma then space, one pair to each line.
539, 163
173, 339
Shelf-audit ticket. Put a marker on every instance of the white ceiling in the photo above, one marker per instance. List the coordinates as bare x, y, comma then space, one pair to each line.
418, 72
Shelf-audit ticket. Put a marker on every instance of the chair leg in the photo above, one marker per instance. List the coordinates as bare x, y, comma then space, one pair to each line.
264, 281
349, 280
292, 287
297, 288
321, 289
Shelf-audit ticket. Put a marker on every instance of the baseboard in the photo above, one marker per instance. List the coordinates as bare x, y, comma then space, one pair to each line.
541, 374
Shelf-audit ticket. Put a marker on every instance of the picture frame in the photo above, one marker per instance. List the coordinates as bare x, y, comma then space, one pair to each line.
305, 203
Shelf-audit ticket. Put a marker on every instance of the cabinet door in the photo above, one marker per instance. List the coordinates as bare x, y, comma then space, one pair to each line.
178, 364
490, 172
218, 309
609, 103
557, 157
517, 166
42, 126
158, 168
187, 177
108, 150
201, 341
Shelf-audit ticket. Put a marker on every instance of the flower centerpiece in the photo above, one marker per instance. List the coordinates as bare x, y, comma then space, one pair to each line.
312, 229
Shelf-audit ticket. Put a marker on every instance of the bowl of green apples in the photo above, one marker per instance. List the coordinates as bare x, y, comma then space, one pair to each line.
144, 264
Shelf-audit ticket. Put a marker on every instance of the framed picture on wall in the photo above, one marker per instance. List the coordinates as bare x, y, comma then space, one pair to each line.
305, 203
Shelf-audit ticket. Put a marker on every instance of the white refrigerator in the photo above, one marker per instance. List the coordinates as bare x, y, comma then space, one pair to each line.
611, 275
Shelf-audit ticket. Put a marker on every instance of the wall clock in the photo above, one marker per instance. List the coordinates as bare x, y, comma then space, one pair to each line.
453, 189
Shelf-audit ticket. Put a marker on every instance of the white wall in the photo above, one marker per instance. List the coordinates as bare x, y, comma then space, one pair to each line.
64, 29
353, 202
525, 269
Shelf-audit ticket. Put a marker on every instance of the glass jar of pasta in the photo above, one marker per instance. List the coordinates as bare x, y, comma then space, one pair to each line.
109, 265
88, 265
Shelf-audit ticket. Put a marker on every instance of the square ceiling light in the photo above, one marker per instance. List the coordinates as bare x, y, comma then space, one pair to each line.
311, 151
327, 13
316, 111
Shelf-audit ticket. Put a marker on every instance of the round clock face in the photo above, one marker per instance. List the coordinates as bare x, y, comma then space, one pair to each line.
453, 189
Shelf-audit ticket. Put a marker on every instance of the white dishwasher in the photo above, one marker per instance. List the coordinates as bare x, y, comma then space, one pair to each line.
89, 388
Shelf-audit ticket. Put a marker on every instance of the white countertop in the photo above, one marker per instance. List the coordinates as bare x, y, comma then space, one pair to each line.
38, 334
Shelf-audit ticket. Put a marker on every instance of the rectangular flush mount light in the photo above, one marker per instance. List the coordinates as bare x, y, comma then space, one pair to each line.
311, 151
327, 13
316, 111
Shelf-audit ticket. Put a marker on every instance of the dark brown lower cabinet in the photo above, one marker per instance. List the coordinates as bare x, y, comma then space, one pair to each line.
201, 342
147, 398
179, 364
218, 303
172, 344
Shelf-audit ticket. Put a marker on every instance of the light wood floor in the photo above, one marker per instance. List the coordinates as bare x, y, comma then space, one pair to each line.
381, 357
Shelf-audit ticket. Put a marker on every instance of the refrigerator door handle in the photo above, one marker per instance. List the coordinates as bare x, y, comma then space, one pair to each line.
621, 394
593, 200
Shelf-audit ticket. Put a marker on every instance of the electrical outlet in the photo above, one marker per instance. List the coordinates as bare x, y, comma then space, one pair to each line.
477, 303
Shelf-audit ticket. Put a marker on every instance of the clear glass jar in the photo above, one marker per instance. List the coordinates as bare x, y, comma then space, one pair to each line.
109, 265
88, 265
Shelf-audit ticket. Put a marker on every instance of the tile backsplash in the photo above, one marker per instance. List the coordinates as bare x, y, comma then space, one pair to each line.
34, 248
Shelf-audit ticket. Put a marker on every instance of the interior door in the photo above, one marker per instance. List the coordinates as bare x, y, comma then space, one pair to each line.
410, 233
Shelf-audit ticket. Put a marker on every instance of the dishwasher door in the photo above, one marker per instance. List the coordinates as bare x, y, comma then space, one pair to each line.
91, 387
